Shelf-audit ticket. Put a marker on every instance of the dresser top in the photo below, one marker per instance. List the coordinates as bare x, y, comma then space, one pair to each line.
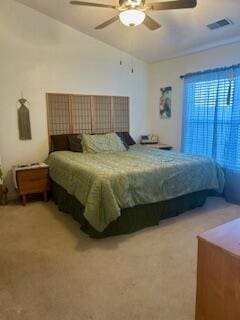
225, 236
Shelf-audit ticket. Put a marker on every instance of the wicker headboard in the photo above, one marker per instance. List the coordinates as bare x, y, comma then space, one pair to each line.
79, 113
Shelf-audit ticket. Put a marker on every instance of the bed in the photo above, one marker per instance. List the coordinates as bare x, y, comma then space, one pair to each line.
119, 192
122, 192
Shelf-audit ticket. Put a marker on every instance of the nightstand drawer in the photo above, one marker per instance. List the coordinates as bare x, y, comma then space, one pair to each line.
32, 175
33, 186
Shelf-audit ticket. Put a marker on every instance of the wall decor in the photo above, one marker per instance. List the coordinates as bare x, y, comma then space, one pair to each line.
165, 102
24, 125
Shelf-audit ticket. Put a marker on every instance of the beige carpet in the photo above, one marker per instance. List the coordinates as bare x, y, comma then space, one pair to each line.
50, 270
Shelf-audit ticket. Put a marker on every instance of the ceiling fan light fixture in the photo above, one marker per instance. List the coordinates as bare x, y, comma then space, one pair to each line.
132, 17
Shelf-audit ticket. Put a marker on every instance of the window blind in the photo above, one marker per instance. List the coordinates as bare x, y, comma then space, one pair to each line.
211, 119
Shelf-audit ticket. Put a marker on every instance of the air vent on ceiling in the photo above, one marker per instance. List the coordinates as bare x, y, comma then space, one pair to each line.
219, 24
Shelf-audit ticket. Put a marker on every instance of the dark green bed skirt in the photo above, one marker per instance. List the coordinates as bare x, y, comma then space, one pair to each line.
131, 219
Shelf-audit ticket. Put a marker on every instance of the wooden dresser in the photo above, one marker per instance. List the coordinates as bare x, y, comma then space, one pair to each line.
32, 180
218, 274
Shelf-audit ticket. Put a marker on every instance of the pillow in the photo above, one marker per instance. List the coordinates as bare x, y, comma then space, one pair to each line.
121, 136
75, 144
126, 137
59, 142
109, 142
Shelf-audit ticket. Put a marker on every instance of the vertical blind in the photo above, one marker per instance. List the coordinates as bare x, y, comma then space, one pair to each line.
211, 117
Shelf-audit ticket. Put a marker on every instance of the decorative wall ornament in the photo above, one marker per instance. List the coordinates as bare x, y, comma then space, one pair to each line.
165, 103
24, 125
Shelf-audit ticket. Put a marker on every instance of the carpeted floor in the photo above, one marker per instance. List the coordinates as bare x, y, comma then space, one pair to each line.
50, 270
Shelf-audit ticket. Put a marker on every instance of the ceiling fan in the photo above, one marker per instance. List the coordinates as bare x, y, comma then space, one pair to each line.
133, 12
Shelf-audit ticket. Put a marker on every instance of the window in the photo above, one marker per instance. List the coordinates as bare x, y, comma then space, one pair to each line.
211, 119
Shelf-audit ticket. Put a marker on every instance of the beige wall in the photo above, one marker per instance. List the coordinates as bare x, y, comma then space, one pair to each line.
39, 55
167, 73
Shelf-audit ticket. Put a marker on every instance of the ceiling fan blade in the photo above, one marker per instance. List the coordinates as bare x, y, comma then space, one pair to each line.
106, 23
170, 5
151, 24
91, 4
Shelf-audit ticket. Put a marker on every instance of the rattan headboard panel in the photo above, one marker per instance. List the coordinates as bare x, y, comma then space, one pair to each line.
58, 114
80, 113
102, 114
121, 114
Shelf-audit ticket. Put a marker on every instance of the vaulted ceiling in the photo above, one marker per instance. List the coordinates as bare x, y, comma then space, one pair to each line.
183, 31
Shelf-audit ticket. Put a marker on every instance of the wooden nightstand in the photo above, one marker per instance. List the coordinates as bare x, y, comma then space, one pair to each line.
159, 146
30, 180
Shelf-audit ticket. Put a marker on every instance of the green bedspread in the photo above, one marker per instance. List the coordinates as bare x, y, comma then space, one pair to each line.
105, 183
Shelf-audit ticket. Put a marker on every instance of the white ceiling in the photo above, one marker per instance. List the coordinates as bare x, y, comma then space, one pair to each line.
183, 31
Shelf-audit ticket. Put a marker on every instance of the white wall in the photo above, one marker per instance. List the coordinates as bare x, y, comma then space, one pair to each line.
39, 55
166, 73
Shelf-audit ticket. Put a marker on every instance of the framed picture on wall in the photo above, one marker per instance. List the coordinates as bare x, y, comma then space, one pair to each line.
165, 103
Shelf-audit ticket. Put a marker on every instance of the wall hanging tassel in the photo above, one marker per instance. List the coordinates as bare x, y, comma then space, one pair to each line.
24, 125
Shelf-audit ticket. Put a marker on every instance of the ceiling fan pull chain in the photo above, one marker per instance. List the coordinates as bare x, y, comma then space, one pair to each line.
131, 49
120, 57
